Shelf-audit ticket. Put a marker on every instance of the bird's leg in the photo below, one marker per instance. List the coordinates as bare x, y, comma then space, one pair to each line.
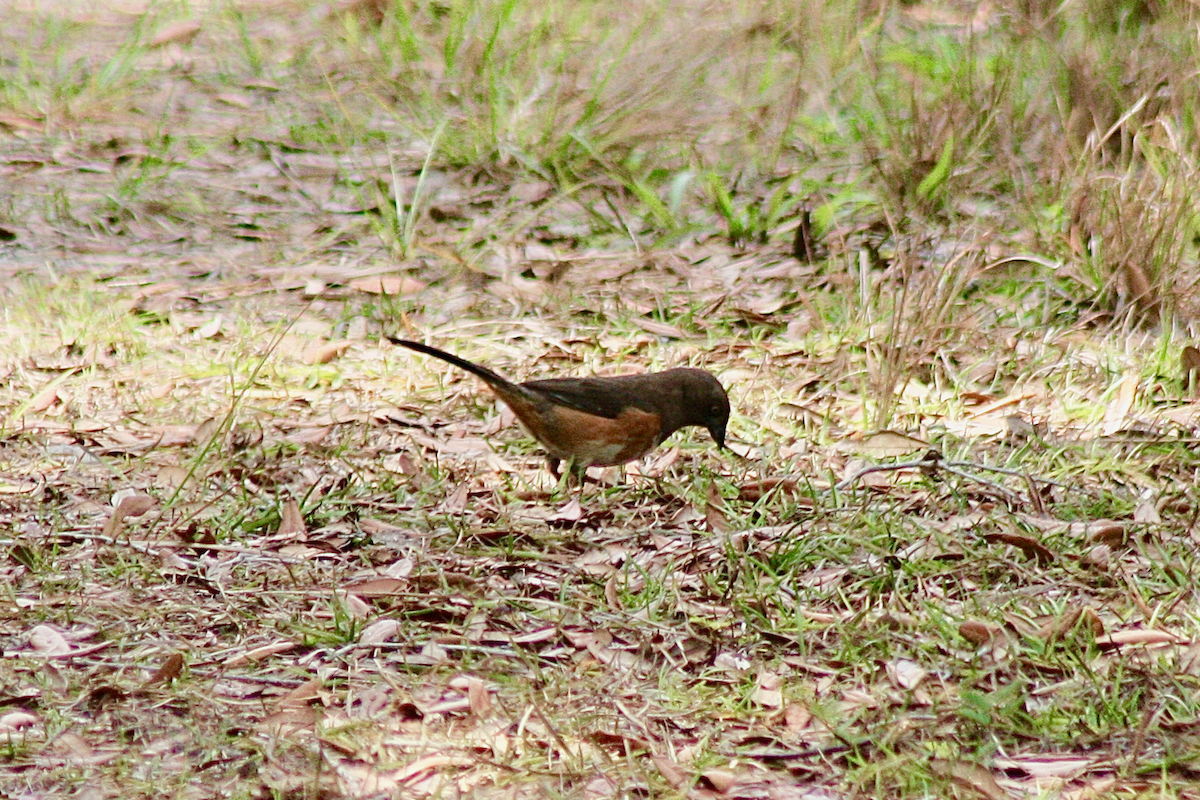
574, 473
581, 476
562, 479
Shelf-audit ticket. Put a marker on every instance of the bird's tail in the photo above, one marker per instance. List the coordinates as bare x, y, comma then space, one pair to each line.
486, 374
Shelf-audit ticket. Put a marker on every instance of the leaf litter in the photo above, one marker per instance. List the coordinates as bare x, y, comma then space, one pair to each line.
237, 560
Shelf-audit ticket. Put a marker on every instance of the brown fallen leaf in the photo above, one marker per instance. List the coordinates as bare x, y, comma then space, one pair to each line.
168, 671
569, 514
887, 444
1026, 544
714, 510
1107, 531
970, 776
379, 632
611, 595
1117, 414
782, 486
182, 32
1144, 637
671, 772
16, 721
171, 435
721, 780
905, 673
663, 329
976, 632
127, 505
309, 436
48, 641
456, 503
1075, 619
1049, 765
305, 694
477, 695
291, 520
21, 123
44, 399
258, 653
768, 689
207, 429
804, 244
378, 587
390, 285
324, 353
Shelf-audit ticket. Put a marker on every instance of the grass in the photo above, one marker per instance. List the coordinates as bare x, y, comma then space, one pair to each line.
372, 585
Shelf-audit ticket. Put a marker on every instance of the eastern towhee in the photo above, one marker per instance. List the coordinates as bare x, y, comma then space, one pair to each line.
602, 422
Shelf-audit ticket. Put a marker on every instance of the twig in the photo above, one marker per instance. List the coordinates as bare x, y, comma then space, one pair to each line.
933, 461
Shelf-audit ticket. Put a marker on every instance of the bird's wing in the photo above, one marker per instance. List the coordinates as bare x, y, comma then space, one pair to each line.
604, 397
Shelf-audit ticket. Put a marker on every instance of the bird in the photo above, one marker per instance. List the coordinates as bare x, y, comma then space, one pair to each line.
603, 421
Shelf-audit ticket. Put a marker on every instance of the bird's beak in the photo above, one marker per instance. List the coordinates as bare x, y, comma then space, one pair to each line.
718, 434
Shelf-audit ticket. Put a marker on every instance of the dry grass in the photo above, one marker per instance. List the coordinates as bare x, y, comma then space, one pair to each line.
253, 552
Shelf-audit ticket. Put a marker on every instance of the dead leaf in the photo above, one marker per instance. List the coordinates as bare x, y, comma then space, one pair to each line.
168, 671
291, 520
570, 513
44, 399
601, 787
378, 587
970, 776
721, 780
379, 632
456, 503
310, 436
1047, 765
357, 607
611, 595
303, 695
48, 641
477, 695
1106, 531
170, 477
905, 673
671, 772
391, 285
20, 123
1031, 547
978, 633
323, 354
887, 444
1144, 637
1118, 412
1004, 402
182, 32
1058, 627
1098, 557
16, 721
210, 329
663, 329
768, 690
782, 486
207, 429
258, 653
796, 717
172, 435
132, 504
714, 510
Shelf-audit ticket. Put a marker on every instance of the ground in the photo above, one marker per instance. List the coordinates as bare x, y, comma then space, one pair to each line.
941, 257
